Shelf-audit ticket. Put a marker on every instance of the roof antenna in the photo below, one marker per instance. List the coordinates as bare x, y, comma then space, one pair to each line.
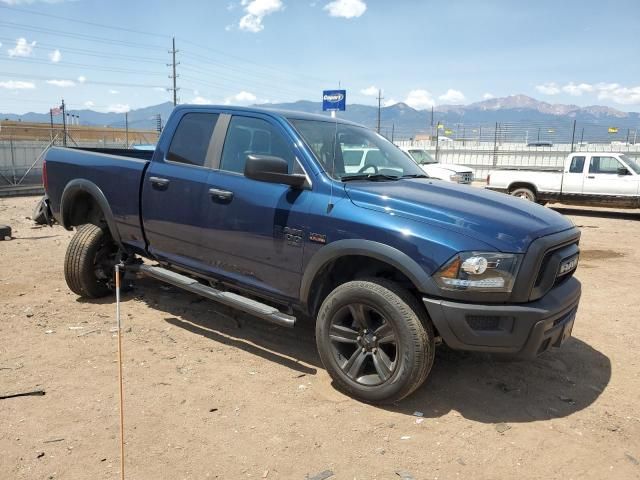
333, 161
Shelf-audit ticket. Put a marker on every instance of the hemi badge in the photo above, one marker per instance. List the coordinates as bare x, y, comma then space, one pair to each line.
568, 266
318, 238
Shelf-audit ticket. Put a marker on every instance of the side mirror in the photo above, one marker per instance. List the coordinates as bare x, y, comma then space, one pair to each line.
266, 168
623, 171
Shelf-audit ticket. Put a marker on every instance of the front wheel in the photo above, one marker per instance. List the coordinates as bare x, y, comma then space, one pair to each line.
89, 262
375, 340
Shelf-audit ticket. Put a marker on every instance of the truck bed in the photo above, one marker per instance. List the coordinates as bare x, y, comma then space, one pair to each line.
116, 172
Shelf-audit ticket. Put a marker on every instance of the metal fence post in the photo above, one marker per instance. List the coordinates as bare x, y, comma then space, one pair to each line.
573, 136
495, 145
13, 160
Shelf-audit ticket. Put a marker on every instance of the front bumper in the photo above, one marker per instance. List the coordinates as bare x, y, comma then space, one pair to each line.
521, 330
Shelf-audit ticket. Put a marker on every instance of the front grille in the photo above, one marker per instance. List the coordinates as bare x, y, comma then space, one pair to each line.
467, 177
548, 274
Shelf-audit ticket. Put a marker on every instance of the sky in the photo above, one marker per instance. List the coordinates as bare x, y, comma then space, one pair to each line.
113, 56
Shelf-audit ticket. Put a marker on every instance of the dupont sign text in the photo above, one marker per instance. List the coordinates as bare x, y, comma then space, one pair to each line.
333, 100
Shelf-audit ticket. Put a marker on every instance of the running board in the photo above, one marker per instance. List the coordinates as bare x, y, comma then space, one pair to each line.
261, 310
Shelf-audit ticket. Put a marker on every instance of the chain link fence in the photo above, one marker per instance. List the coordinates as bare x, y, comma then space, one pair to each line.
23, 145
530, 145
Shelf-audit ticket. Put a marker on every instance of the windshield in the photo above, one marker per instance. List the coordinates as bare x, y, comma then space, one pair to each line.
631, 162
422, 156
359, 153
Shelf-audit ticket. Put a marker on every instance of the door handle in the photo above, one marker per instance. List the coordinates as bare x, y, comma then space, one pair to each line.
159, 183
591, 176
219, 194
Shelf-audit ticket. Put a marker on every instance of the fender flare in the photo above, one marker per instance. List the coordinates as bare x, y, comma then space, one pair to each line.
81, 185
366, 248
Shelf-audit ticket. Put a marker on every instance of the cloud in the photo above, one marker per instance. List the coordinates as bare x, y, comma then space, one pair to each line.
488, 96
346, 8
89, 104
577, 89
17, 85
452, 96
242, 97
22, 49
618, 93
113, 92
160, 89
370, 91
550, 88
391, 101
62, 83
419, 99
201, 101
55, 56
82, 79
118, 108
255, 11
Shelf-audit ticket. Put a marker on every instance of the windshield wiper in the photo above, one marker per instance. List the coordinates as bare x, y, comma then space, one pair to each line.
416, 175
370, 176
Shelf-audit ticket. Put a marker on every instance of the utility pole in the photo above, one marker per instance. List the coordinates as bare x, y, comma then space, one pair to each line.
126, 128
174, 76
64, 125
380, 97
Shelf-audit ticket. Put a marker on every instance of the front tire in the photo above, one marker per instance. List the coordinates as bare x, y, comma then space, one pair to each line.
375, 340
89, 261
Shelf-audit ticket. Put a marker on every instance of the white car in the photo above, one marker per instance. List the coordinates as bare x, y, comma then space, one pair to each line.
588, 178
444, 171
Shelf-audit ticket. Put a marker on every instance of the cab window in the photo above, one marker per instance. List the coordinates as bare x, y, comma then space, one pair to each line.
248, 135
607, 165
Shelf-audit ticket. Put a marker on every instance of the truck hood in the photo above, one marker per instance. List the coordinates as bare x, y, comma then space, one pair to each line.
507, 223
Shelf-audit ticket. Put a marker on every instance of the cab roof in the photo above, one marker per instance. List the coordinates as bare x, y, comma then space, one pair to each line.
274, 112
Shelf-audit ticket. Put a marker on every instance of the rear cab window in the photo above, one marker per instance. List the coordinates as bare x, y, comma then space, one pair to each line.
192, 138
577, 164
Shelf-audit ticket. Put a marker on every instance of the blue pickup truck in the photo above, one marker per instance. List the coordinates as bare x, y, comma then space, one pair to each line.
255, 209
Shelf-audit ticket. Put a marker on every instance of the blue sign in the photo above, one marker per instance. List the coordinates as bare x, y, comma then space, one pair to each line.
334, 100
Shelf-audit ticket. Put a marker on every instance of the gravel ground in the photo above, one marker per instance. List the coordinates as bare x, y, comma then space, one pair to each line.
211, 396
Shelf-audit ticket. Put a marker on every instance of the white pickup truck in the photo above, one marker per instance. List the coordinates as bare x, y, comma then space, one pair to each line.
588, 178
444, 171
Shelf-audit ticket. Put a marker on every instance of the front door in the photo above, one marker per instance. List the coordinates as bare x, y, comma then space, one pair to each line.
255, 230
603, 178
174, 191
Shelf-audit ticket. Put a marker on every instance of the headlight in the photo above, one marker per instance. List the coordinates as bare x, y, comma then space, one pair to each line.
479, 271
456, 177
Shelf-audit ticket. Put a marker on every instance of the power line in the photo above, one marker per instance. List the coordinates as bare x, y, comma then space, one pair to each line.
92, 38
97, 82
93, 24
64, 64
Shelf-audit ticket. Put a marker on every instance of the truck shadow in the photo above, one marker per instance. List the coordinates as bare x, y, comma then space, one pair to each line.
579, 212
479, 387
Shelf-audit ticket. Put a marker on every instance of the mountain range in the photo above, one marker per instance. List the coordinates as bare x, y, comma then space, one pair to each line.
403, 119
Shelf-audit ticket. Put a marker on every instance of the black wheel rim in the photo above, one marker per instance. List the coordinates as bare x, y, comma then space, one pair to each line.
364, 344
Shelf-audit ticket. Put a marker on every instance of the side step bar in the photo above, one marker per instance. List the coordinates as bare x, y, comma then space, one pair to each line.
265, 312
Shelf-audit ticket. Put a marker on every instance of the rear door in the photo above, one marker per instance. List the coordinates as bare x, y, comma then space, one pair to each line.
174, 190
255, 231
602, 178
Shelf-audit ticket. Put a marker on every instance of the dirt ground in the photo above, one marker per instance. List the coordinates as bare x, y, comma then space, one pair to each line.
207, 396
